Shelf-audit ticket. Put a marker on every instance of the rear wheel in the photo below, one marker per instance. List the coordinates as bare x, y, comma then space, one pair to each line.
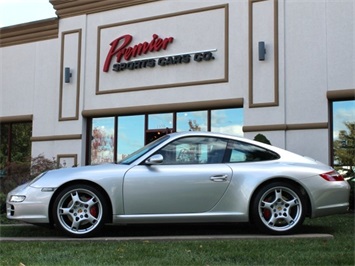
79, 211
278, 208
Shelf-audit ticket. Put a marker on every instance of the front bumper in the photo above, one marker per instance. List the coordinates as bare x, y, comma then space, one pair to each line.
33, 209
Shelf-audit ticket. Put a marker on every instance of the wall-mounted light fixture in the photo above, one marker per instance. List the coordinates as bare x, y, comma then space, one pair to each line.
67, 75
262, 51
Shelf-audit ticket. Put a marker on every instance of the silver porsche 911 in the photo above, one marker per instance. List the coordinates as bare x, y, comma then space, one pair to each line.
185, 178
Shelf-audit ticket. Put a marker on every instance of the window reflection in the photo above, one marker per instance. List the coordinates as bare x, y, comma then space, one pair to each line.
159, 121
343, 136
15, 144
229, 121
102, 140
130, 135
4, 145
191, 121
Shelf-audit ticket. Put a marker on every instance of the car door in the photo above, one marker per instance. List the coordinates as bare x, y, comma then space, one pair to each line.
191, 179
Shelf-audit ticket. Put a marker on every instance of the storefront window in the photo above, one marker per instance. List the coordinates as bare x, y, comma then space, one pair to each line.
229, 121
21, 144
344, 136
159, 121
191, 121
15, 144
4, 146
102, 140
130, 135
114, 138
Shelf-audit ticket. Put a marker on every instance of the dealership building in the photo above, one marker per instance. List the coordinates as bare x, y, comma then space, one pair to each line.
104, 78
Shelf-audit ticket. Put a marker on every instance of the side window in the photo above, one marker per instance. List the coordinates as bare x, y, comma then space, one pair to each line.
245, 152
237, 156
194, 150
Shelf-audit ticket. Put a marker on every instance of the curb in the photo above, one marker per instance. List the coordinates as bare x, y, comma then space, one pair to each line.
170, 238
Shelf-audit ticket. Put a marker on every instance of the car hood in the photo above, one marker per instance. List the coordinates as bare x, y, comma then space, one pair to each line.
94, 173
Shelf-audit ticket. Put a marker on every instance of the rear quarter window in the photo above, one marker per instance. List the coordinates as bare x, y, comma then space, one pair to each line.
245, 152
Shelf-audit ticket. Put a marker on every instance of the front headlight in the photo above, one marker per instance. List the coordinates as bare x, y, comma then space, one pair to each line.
17, 198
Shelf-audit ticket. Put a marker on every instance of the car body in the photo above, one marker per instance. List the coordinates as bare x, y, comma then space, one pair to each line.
185, 177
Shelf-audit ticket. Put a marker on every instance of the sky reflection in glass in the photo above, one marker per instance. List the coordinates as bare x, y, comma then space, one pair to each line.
190, 121
159, 121
130, 135
343, 111
228, 121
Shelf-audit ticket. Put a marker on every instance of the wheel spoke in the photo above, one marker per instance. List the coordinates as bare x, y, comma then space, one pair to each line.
75, 225
75, 197
292, 203
65, 211
278, 194
289, 220
273, 220
92, 219
91, 202
267, 205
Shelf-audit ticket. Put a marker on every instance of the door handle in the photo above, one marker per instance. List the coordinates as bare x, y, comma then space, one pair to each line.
219, 178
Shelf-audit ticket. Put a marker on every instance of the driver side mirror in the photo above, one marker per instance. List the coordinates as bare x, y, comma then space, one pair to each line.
155, 159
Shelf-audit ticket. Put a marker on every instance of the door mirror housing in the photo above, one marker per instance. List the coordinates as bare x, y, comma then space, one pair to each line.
155, 159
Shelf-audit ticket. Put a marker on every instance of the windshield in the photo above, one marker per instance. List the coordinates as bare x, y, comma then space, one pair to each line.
135, 155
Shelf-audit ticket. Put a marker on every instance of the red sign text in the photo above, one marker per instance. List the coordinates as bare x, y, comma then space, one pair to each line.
120, 48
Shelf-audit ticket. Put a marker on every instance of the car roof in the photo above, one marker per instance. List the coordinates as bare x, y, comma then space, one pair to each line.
218, 135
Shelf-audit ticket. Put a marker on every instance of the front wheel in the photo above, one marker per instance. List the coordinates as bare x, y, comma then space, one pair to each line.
79, 211
278, 208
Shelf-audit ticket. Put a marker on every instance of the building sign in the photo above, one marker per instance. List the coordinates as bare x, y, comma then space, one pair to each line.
166, 60
170, 50
120, 49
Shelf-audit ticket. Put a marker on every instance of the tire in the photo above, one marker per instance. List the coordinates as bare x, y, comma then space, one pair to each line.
80, 211
278, 208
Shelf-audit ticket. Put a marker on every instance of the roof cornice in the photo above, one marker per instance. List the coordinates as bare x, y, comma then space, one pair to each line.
70, 8
48, 28
29, 32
